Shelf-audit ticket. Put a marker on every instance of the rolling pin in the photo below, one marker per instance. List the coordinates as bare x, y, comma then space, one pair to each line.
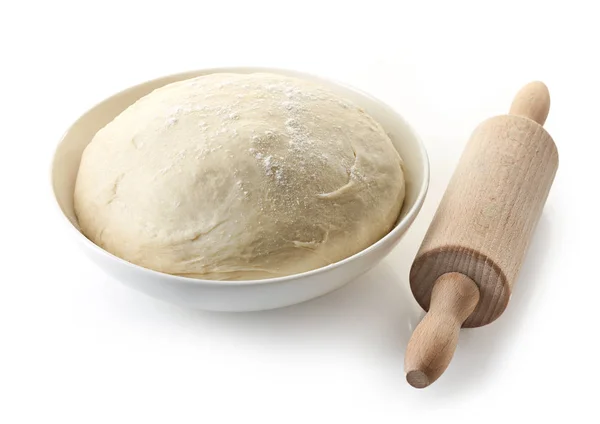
468, 262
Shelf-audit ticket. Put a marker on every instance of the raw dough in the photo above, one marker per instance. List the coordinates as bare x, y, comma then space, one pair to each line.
239, 177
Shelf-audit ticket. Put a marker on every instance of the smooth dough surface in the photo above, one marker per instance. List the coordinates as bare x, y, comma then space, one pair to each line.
239, 177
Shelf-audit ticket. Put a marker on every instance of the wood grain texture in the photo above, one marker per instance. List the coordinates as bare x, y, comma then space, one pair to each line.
433, 343
489, 211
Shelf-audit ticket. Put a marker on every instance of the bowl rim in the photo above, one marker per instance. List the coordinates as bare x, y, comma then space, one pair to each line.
399, 227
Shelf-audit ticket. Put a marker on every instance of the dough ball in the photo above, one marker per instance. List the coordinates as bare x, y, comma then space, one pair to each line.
239, 177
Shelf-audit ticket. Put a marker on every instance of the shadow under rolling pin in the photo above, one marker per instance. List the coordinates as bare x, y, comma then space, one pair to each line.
472, 253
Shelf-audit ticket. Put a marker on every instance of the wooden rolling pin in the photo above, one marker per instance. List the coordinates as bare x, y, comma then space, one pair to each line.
467, 265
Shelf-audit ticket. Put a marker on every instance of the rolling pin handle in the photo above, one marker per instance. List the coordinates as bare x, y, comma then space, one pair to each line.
533, 102
432, 345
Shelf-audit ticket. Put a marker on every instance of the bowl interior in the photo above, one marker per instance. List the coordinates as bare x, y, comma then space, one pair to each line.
68, 154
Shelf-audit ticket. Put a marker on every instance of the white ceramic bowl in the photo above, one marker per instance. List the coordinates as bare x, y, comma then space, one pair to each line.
238, 295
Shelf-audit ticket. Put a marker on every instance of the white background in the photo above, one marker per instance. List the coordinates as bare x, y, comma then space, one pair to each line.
77, 347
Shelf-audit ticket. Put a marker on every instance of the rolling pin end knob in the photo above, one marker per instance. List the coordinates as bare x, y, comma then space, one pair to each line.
432, 345
417, 378
533, 102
